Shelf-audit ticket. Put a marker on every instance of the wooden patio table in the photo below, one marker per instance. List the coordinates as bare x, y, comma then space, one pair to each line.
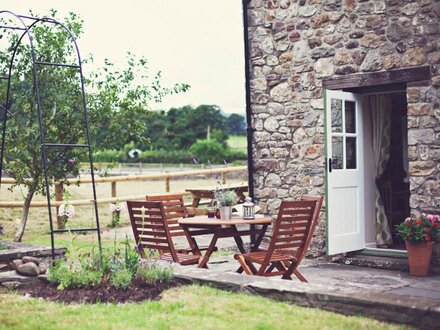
208, 192
202, 225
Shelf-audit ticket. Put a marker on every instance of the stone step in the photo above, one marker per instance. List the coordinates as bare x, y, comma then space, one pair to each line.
19, 250
387, 263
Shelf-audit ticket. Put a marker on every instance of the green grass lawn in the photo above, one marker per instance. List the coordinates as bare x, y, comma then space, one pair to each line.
238, 142
189, 307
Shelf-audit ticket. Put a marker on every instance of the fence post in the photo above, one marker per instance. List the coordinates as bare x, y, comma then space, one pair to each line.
167, 183
223, 178
59, 197
113, 188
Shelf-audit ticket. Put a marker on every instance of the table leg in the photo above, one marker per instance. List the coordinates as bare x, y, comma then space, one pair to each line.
204, 260
238, 240
191, 241
259, 238
196, 201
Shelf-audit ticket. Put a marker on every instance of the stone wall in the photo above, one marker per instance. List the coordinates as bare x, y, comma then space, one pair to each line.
296, 43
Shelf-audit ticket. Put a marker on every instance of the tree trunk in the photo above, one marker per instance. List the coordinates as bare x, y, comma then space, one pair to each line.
27, 203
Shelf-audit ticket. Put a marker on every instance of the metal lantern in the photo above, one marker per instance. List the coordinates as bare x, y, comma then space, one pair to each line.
248, 209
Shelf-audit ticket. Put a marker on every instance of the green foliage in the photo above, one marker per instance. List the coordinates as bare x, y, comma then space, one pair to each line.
153, 272
211, 150
225, 197
236, 124
117, 99
89, 268
179, 128
71, 276
204, 151
423, 228
121, 279
119, 108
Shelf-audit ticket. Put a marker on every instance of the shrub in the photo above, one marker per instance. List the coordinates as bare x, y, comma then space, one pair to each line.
121, 279
69, 276
153, 272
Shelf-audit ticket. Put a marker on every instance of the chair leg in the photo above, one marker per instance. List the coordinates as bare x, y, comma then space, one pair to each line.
244, 264
300, 276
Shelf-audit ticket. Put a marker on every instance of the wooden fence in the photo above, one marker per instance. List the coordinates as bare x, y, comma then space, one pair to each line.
115, 179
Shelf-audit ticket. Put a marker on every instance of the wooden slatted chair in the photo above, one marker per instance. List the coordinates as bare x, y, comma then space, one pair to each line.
152, 231
319, 200
288, 243
174, 208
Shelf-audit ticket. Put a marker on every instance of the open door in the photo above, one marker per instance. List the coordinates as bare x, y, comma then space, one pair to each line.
345, 173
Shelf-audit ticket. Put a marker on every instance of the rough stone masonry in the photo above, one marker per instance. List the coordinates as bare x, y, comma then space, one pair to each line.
294, 44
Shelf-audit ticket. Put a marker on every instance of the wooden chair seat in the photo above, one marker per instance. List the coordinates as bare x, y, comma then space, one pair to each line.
258, 257
288, 244
184, 258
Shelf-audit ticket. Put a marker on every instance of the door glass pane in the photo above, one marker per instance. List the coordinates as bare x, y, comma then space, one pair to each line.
350, 149
336, 111
350, 117
337, 153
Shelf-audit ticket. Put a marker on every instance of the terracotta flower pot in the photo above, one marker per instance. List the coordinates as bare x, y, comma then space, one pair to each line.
419, 257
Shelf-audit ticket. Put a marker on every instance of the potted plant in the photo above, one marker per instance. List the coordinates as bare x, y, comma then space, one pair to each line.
225, 200
419, 234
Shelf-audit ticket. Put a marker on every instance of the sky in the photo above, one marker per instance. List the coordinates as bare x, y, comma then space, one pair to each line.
198, 42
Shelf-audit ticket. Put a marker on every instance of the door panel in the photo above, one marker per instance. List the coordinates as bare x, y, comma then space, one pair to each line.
345, 176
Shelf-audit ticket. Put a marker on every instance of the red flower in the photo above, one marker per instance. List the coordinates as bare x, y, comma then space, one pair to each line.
408, 224
426, 230
419, 222
427, 237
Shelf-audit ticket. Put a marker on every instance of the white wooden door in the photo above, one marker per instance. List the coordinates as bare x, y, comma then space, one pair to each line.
345, 173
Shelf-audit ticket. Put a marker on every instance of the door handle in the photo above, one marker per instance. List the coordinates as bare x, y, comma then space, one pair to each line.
329, 165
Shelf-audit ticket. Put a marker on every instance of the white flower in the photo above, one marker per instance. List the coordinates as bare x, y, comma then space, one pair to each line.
67, 211
117, 207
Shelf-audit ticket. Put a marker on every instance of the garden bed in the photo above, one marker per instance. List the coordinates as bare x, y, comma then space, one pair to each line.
137, 292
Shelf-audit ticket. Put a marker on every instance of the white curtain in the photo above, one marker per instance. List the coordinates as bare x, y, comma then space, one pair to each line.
380, 108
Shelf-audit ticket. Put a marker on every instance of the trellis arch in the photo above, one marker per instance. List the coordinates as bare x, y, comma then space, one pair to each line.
25, 24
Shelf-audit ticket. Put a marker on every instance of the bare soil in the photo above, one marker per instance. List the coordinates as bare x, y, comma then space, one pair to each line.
139, 291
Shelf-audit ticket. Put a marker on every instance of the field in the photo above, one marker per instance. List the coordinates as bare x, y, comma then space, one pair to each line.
238, 143
37, 230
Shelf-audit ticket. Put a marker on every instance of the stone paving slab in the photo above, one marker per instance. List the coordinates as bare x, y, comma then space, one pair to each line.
382, 294
19, 250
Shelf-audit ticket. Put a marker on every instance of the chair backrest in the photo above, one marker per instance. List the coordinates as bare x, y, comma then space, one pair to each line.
150, 229
319, 200
292, 228
174, 209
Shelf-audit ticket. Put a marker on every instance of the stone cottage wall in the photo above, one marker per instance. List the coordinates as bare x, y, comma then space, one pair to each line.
296, 43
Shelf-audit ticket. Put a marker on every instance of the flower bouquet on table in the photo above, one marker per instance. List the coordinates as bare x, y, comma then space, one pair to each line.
419, 234
225, 199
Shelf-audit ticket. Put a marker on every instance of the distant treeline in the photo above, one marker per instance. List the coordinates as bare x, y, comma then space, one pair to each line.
182, 135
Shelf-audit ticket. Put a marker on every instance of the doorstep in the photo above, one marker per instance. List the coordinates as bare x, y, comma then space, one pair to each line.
371, 261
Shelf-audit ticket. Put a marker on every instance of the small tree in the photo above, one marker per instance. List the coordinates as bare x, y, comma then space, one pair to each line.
116, 99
